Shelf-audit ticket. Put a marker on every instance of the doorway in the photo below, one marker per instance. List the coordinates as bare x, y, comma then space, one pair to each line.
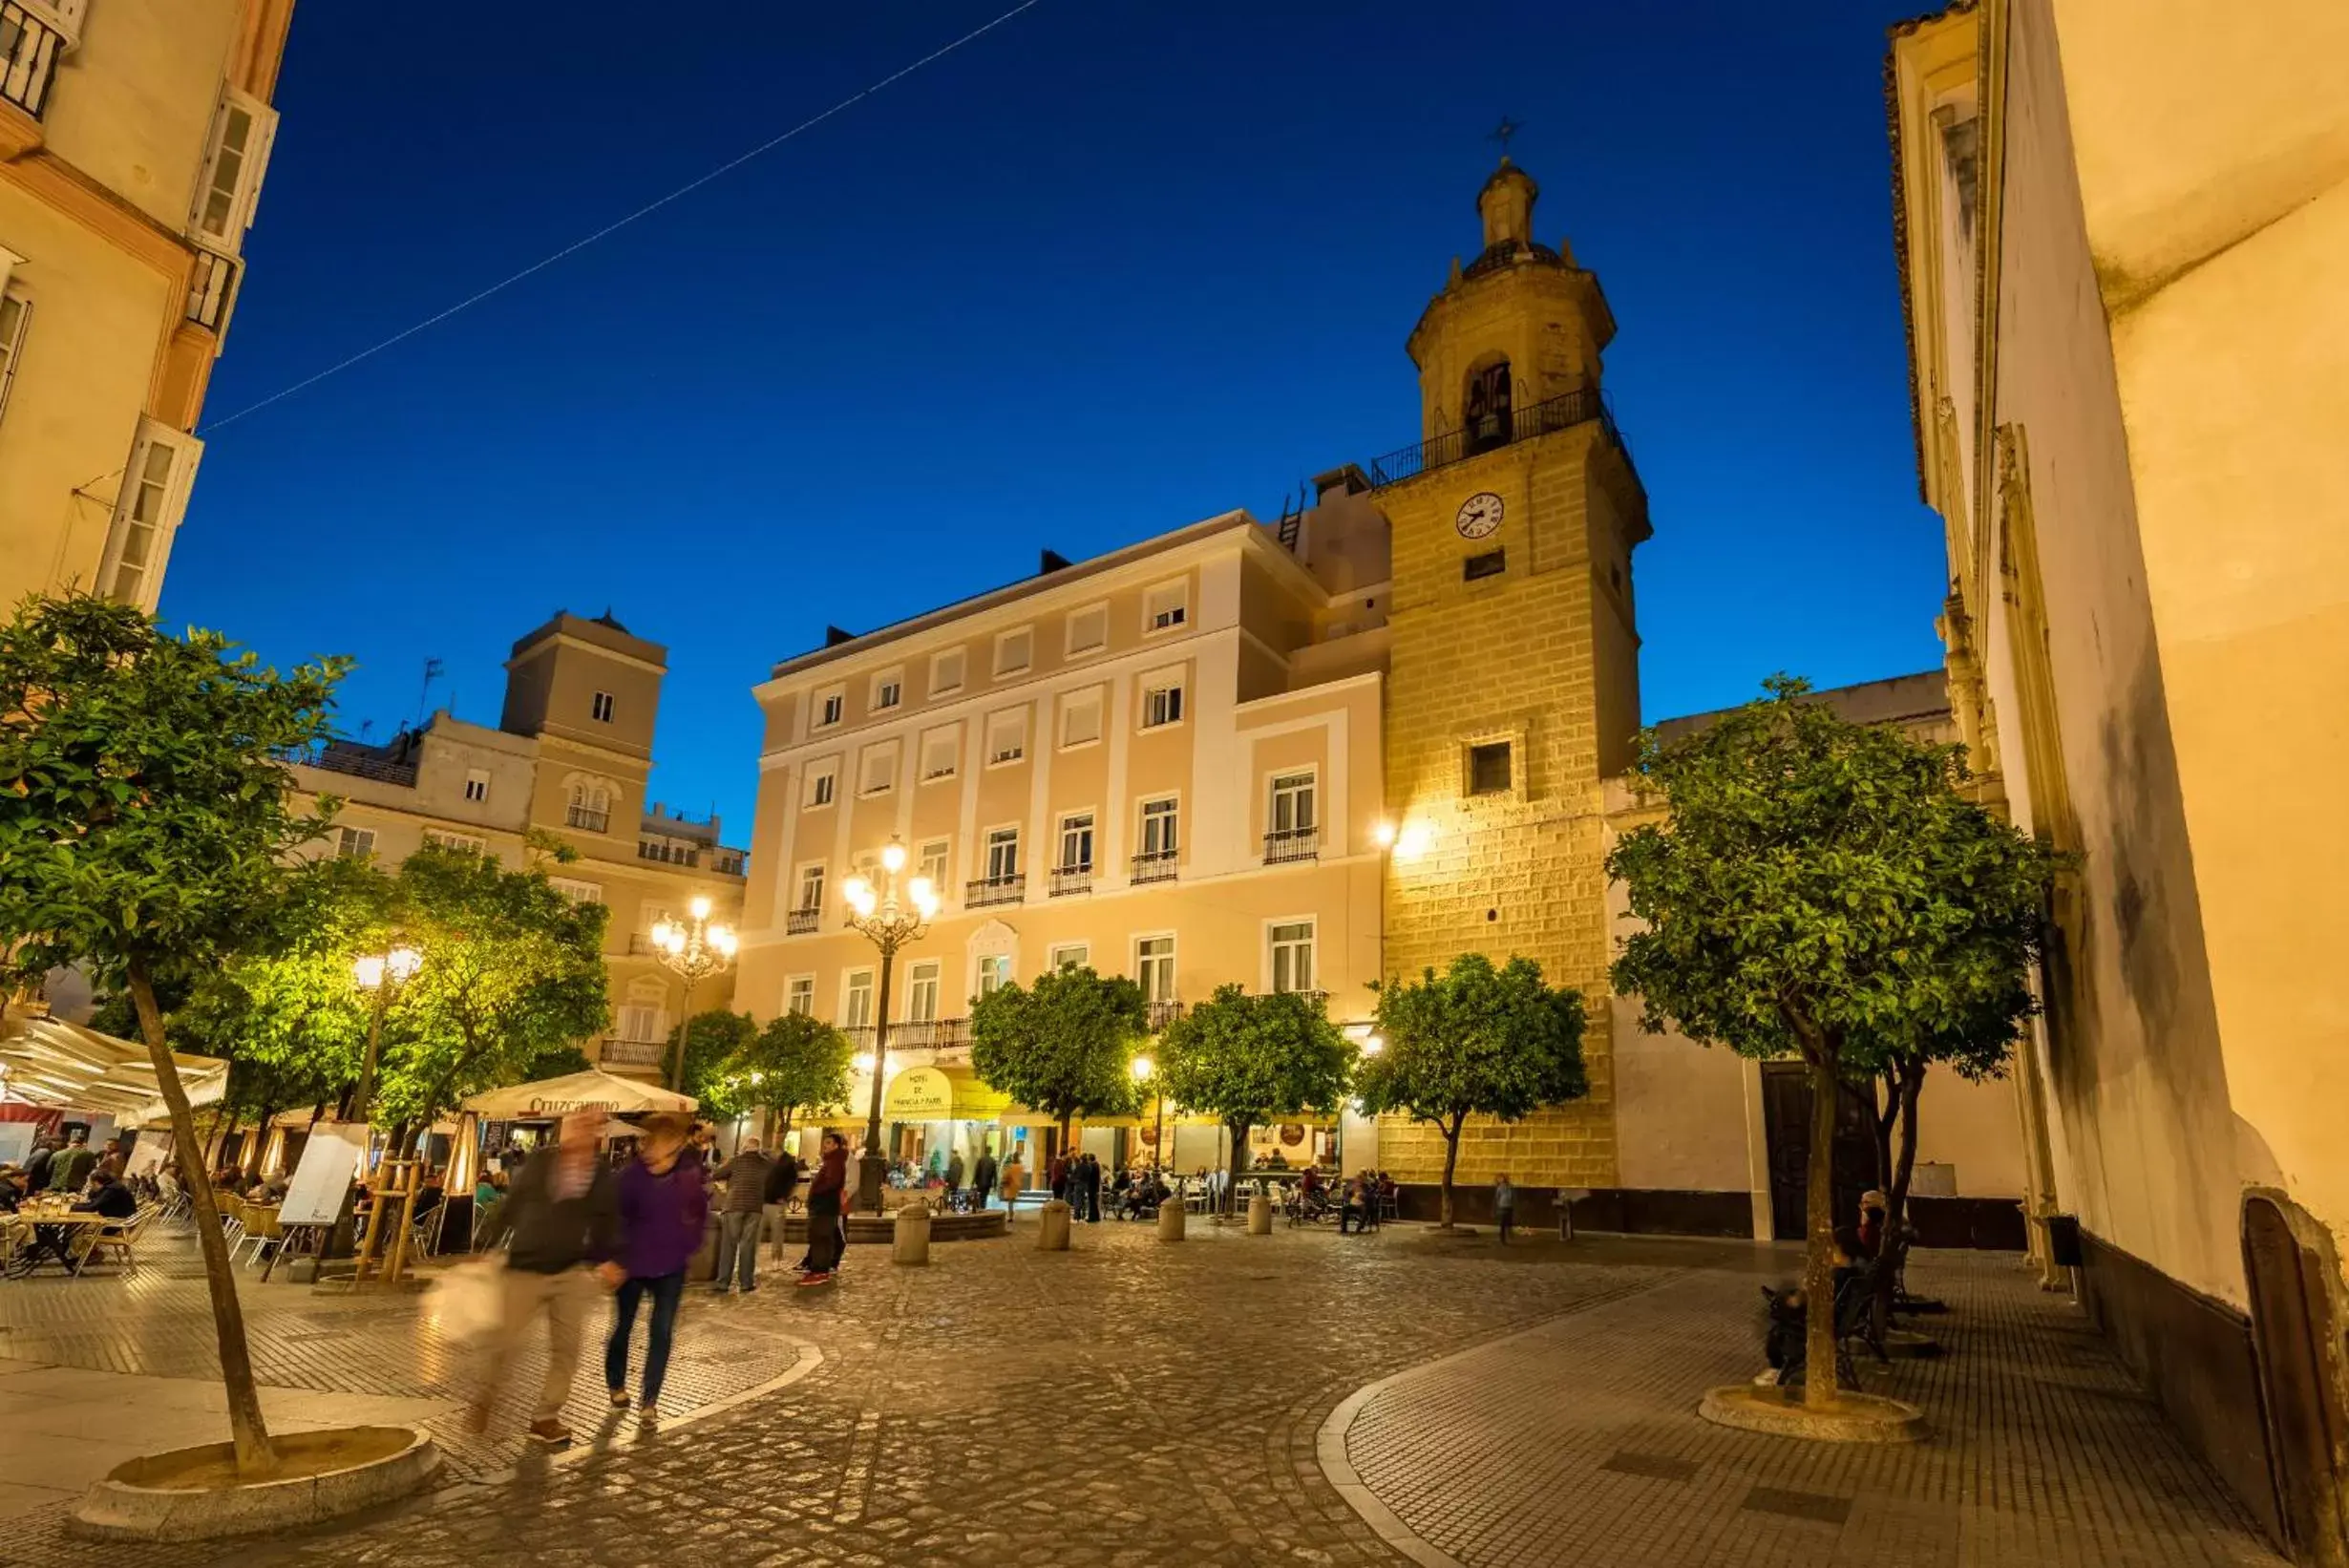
1785, 1126
2294, 1280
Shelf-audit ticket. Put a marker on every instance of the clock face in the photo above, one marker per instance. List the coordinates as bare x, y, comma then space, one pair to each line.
1479, 514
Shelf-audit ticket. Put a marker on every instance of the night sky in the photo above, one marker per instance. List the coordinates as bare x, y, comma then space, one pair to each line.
1111, 268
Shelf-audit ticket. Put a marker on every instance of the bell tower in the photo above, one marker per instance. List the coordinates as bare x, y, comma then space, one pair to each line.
1513, 691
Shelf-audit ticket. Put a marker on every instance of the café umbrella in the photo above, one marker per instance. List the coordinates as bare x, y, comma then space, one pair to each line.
590, 1091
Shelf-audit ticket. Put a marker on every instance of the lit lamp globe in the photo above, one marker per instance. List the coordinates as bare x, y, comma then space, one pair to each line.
924, 896
893, 857
1143, 1068
700, 908
723, 939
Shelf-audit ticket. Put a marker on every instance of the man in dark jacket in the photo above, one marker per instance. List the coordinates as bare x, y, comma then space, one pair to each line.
982, 1181
559, 1215
743, 1218
37, 1168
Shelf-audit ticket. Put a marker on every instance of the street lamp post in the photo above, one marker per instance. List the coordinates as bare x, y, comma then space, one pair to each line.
889, 921
1145, 1070
694, 952
382, 973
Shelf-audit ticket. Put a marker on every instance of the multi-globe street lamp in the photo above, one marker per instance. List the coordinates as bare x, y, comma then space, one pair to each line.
693, 951
889, 920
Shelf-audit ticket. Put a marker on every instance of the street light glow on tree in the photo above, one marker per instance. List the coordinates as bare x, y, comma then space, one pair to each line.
694, 952
889, 920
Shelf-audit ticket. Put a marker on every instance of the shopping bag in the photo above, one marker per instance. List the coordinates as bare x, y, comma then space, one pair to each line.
469, 1299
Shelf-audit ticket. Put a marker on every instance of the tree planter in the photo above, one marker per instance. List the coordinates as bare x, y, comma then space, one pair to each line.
1852, 1418
194, 1494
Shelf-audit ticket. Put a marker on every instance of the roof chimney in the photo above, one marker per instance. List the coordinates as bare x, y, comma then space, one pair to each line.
1053, 562
833, 637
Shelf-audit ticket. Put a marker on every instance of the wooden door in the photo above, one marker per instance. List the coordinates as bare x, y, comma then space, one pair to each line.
2296, 1324
1785, 1125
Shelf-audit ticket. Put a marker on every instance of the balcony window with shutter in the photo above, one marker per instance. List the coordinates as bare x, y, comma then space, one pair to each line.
1014, 651
1002, 854
1071, 955
857, 1000
947, 673
1292, 956
234, 159
1165, 608
921, 993
821, 781
1089, 631
932, 862
881, 770
1080, 719
148, 506
1007, 738
994, 973
1076, 843
1153, 964
938, 753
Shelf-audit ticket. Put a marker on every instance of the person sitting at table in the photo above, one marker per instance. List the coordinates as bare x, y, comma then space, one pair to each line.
109, 1197
485, 1189
435, 1188
11, 1188
1361, 1195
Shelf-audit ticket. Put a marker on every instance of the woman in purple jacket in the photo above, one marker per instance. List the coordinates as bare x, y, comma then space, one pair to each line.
664, 1206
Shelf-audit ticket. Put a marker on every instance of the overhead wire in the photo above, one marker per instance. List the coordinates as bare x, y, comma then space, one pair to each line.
619, 223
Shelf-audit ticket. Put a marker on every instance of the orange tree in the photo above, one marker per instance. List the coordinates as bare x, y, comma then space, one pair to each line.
1824, 889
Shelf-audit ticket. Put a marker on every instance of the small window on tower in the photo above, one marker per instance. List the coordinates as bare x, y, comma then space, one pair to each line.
602, 708
1488, 769
1492, 563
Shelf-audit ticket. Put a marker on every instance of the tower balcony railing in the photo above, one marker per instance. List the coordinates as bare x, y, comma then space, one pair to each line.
1579, 407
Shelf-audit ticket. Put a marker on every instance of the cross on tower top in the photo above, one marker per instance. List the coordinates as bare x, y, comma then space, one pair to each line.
1501, 134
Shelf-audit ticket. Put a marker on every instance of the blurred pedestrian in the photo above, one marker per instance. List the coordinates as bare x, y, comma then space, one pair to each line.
983, 1177
782, 1180
954, 1180
664, 1212
561, 1214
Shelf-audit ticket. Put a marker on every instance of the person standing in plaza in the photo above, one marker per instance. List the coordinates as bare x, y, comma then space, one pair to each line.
1057, 1175
782, 1180
664, 1212
1091, 1179
744, 1216
561, 1215
954, 1180
982, 1181
1504, 1206
825, 1238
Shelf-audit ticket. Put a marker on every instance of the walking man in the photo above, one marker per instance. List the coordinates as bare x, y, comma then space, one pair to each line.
744, 1216
561, 1214
982, 1181
663, 1211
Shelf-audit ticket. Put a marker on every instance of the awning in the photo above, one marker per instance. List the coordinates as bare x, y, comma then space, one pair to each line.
936, 1093
49, 1062
590, 1091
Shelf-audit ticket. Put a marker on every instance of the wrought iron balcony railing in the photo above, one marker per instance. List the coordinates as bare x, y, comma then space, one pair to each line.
929, 1033
800, 921
990, 890
1580, 406
590, 821
1067, 879
1164, 1011
1292, 844
1157, 866
30, 47
635, 1053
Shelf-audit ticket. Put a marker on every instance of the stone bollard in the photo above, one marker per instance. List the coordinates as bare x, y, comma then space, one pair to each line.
1260, 1216
911, 1241
1052, 1235
1170, 1220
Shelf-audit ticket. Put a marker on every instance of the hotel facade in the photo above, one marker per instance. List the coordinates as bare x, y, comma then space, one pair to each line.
134, 138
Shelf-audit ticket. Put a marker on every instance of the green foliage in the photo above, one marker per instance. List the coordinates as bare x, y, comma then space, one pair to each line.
143, 809
711, 1040
1250, 1060
1063, 1045
797, 1062
1824, 888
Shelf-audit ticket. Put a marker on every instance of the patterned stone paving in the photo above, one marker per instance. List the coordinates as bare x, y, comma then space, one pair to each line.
1134, 1404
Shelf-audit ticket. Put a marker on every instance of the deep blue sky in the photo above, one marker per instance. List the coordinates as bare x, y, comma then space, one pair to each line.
1116, 267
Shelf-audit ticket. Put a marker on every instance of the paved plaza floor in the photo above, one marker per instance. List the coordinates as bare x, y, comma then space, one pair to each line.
1296, 1398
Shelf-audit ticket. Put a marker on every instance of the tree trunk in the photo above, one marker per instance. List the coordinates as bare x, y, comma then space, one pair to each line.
1819, 1261
1881, 1120
1239, 1153
260, 1150
256, 1458
1451, 1163
1896, 1196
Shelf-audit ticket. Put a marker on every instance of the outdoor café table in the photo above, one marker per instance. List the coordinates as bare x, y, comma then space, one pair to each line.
54, 1236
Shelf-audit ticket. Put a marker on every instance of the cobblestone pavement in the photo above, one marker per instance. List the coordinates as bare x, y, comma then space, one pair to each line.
1133, 1403
1574, 1442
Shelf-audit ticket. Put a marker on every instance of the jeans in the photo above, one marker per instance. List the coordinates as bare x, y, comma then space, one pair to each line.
1506, 1219
666, 1291
738, 1236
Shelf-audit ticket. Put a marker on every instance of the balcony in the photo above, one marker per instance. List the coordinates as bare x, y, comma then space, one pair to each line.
929, 1033
211, 288
1067, 879
1291, 844
635, 1053
1157, 867
666, 853
993, 890
800, 921
1164, 1011
587, 820
1582, 406
31, 44
360, 761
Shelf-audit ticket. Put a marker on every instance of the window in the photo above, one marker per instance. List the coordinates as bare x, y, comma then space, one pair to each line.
349, 843
16, 315
1488, 769
1071, 955
234, 157
602, 708
932, 862
821, 779
800, 994
994, 972
938, 753
1080, 719
1486, 407
921, 993
147, 510
1077, 841
857, 1000
1159, 819
1492, 563
1153, 965
829, 707
888, 690
1089, 631
1165, 608
810, 888
578, 891
1002, 854
1292, 956
590, 809
476, 784
467, 842
641, 1023
880, 772
1162, 703
1014, 650
1292, 803
947, 673
1007, 737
